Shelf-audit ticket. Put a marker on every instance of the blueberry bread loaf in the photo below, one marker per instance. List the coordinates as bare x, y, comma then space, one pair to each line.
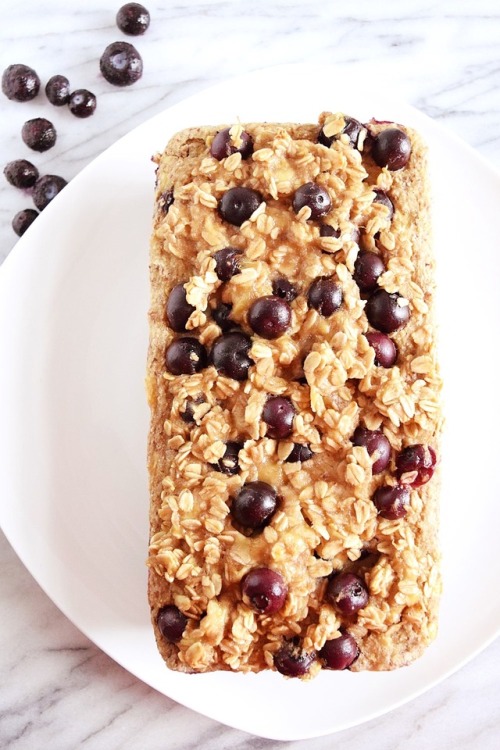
294, 394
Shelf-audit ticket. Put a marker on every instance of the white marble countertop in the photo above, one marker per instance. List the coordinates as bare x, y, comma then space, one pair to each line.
57, 689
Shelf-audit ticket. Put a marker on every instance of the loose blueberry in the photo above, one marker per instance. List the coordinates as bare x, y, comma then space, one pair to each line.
165, 200
185, 356
325, 296
121, 64
171, 623
382, 197
57, 90
228, 464
230, 355
133, 19
415, 465
264, 590
223, 145
284, 289
46, 188
254, 505
386, 352
178, 309
315, 196
375, 443
222, 316
367, 268
385, 311
278, 413
227, 263
352, 129
292, 661
82, 103
347, 593
391, 148
23, 219
300, 452
20, 83
39, 134
391, 502
187, 415
339, 653
326, 230
21, 173
269, 317
238, 204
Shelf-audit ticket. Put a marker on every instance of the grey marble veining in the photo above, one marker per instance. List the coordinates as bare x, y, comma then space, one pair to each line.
57, 689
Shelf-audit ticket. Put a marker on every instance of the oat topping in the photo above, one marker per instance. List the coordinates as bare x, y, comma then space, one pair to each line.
294, 394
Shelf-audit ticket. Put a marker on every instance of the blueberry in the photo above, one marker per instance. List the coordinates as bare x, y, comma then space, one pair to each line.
227, 263
165, 200
367, 268
171, 623
230, 355
39, 134
417, 462
238, 204
292, 661
278, 413
23, 219
46, 189
375, 443
300, 452
82, 103
347, 592
228, 464
178, 309
222, 316
352, 129
285, 289
391, 148
382, 197
185, 356
315, 196
325, 230
325, 296
133, 19
340, 652
57, 90
386, 352
20, 83
223, 146
385, 311
21, 173
269, 317
391, 502
254, 505
264, 590
121, 64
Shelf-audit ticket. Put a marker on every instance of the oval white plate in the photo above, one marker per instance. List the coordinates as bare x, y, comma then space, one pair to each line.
73, 337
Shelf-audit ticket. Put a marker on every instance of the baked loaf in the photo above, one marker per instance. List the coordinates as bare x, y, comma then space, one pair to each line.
294, 394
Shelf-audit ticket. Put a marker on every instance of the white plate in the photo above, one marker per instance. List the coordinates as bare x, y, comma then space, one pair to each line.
73, 336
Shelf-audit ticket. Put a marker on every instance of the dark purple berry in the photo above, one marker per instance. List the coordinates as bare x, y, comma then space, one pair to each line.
39, 134
254, 505
23, 219
375, 443
325, 296
185, 356
391, 502
82, 103
385, 311
352, 129
165, 200
347, 593
222, 316
20, 83
121, 64
300, 452
391, 148
382, 197
386, 352
187, 415
178, 309
46, 188
278, 414
230, 355
171, 623
284, 289
238, 204
21, 173
340, 652
367, 268
57, 90
227, 263
315, 197
292, 661
223, 145
269, 317
133, 19
228, 464
264, 590
415, 465
326, 230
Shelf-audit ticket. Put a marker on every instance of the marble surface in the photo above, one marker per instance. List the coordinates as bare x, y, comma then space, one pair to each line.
57, 689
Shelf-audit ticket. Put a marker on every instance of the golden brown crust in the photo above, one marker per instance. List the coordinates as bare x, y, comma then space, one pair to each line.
326, 517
